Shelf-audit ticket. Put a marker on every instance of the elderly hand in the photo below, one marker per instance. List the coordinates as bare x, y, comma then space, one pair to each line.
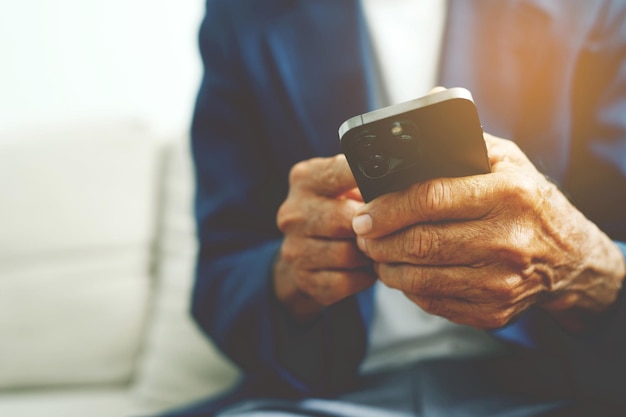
319, 262
480, 250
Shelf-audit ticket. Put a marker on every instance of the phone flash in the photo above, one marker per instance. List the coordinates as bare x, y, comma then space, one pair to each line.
396, 130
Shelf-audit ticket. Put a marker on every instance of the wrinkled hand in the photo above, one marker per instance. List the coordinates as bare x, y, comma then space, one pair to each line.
319, 262
480, 250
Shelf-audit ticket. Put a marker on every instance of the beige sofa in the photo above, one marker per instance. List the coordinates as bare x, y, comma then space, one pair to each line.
96, 262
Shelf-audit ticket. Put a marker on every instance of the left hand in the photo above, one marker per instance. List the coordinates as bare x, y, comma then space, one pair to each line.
480, 250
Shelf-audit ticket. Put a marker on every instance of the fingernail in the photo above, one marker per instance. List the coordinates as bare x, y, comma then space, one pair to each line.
362, 224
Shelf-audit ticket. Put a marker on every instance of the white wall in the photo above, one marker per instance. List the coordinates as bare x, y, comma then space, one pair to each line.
68, 60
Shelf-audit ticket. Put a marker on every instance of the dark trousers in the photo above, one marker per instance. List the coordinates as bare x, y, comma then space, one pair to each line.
486, 387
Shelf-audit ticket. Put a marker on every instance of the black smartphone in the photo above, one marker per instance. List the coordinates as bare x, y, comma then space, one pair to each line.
439, 135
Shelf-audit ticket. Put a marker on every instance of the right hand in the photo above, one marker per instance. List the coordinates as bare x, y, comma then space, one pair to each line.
319, 262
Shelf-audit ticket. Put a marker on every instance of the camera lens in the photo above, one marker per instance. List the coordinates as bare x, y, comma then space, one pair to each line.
375, 167
367, 147
403, 141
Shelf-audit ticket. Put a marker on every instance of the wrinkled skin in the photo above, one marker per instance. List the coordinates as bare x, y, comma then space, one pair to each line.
476, 250
480, 250
319, 262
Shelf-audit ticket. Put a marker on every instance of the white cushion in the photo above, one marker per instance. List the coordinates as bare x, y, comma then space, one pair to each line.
179, 364
108, 402
86, 187
77, 220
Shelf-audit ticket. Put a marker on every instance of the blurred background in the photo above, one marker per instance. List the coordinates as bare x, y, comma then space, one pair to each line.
97, 240
65, 60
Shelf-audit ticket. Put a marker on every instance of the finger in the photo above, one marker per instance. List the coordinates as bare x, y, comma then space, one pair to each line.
330, 218
321, 254
489, 285
505, 154
328, 177
316, 216
331, 286
353, 194
473, 243
442, 244
464, 312
439, 199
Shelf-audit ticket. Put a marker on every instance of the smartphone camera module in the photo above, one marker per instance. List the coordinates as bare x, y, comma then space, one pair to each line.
438, 135
387, 149
370, 150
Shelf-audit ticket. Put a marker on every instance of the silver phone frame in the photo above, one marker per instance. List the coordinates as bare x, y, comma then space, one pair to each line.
373, 116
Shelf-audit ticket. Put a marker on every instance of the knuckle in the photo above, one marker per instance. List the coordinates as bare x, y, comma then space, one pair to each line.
337, 161
328, 174
282, 217
499, 318
523, 242
323, 175
288, 217
420, 243
430, 196
289, 252
326, 177
515, 246
507, 289
523, 192
300, 171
